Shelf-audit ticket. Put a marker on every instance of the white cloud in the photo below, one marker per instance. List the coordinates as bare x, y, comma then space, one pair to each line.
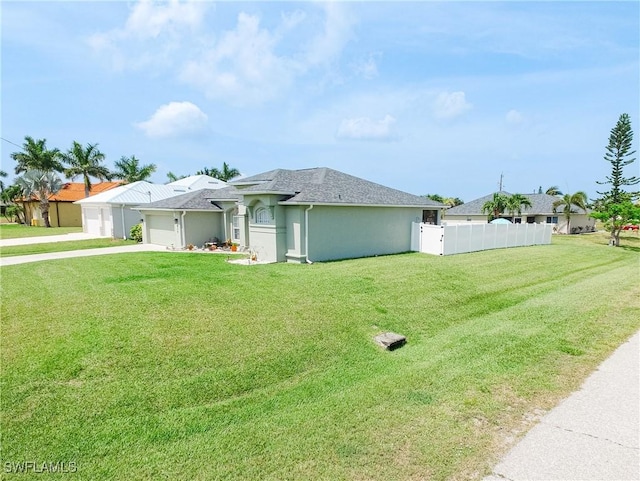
153, 34
367, 68
328, 45
514, 117
245, 64
291, 20
451, 105
242, 67
149, 19
365, 128
173, 119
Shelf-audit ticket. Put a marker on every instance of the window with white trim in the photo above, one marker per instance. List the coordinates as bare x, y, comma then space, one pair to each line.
552, 220
262, 216
236, 228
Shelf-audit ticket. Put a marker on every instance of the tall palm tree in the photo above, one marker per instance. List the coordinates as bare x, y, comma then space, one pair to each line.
568, 202
453, 201
208, 171
3, 175
130, 170
516, 202
496, 206
86, 162
173, 177
36, 156
41, 185
435, 197
226, 174
553, 190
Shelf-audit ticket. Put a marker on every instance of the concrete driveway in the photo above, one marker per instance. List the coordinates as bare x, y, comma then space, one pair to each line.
9, 261
76, 236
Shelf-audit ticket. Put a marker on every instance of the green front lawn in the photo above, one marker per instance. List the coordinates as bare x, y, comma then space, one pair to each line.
179, 366
29, 249
14, 231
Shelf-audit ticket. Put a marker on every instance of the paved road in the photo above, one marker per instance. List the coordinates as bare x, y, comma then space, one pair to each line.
592, 435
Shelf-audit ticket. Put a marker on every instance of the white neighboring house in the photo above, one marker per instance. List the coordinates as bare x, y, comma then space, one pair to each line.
111, 213
197, 182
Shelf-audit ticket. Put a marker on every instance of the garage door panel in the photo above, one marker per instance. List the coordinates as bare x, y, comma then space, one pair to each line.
92, 221
161, 230
107, 222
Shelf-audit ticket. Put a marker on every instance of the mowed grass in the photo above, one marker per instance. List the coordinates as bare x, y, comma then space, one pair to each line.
29, 249
178, 366
16, 231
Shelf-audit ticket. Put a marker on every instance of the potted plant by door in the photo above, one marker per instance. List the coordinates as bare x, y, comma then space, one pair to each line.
234, 247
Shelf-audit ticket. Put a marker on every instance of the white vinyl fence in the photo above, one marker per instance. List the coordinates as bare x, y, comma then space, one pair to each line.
445, 240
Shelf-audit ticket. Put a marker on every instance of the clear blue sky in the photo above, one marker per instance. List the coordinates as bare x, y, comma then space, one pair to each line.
426, 97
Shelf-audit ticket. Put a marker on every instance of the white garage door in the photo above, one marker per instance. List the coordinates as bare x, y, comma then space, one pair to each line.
92, 220
162, 230
107, 222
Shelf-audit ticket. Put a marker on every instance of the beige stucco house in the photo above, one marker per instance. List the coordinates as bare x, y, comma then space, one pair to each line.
540, 212
63, 211
302, 215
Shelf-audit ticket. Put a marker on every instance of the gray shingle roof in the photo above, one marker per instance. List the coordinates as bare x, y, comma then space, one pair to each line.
328, 186
541, 204
196, 200
226, 194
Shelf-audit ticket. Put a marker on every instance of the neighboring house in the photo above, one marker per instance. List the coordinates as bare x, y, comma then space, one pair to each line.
112, 213
540, 212
63, 212
197, 182
190, 218
295, 216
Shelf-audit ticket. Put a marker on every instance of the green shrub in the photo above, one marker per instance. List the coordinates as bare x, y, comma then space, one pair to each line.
136, 233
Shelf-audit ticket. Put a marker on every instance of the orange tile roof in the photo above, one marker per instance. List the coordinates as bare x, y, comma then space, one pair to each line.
72, 191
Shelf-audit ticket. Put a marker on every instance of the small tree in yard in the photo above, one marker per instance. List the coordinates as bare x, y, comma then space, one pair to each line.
10, 197
615, 208
616, 217
40, 185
